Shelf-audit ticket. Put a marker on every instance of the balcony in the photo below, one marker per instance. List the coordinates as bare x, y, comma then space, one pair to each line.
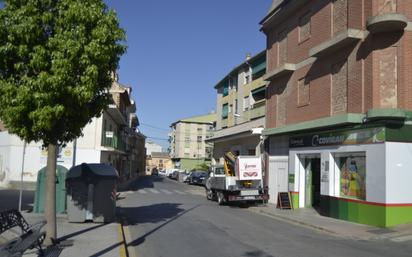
337, 42
285, 69
111, 140
258, 110
387, 22
117, 115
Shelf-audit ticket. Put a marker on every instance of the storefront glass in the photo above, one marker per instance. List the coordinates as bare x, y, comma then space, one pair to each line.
352, 169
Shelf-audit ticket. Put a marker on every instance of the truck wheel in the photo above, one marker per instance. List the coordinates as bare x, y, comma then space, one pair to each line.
220, 198
209, 194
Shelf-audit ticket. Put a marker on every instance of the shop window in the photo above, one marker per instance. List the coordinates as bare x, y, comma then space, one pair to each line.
352, 170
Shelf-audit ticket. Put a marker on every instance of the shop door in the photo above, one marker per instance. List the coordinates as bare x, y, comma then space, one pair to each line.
278, 177
312, 181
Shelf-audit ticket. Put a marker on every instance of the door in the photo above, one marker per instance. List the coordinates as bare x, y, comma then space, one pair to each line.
278, 177
312, 181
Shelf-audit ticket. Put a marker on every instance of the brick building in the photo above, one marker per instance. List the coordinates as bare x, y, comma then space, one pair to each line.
339, 101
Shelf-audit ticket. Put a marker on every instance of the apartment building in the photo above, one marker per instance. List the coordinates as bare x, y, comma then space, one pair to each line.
188, 148
152, 147
111, 138
339, 101
240, 109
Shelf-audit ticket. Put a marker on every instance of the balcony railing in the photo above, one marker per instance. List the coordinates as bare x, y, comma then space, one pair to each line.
113, 141
258, 110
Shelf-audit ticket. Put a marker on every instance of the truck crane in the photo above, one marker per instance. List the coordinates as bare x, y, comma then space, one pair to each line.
238, 179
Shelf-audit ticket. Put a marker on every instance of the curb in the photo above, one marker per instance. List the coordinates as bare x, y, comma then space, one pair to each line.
295, 221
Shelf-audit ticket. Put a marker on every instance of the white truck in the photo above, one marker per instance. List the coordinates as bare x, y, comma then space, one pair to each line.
239, 179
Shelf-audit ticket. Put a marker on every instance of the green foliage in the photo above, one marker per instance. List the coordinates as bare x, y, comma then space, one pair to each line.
203, 166
56, 57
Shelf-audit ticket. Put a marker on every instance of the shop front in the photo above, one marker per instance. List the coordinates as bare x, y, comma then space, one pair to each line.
360, 175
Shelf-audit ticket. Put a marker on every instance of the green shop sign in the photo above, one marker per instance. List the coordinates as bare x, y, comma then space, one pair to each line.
361, 136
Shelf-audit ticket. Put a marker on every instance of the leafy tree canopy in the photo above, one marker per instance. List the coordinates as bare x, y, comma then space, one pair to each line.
56, 57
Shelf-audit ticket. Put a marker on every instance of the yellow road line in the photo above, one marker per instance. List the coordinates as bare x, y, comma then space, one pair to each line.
122, 250
130, 249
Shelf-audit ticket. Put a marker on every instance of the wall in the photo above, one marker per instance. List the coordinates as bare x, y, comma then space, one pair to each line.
398, 172
375, 170
372, 73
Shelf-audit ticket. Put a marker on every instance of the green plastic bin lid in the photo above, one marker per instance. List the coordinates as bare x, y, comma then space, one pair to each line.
97, 169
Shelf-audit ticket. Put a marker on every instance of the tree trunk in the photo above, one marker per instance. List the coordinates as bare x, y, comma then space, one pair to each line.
50, 204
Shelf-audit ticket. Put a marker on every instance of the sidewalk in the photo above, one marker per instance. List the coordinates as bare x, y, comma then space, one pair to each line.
82, 239
310, 218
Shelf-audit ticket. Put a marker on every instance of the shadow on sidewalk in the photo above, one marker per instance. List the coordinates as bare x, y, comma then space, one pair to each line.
139, 183
142, 238
64, 238
148, 214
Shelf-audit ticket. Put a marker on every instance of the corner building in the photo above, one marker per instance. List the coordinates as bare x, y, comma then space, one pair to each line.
339, 107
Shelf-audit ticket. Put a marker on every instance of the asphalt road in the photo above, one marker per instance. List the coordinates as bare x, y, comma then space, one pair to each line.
169, 219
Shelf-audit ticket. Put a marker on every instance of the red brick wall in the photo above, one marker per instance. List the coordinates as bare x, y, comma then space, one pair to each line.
379, 74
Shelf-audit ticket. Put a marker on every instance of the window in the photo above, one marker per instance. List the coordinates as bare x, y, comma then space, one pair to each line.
247, 76
236, 107
282, 47
246, 103
199, 138
304, 27
259, 94
247, 79
230, 108
225, 109
233, 83
187, 139
225, 89
352, 170
303, 92
251, 152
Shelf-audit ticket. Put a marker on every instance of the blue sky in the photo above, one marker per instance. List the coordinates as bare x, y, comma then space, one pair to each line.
178, 50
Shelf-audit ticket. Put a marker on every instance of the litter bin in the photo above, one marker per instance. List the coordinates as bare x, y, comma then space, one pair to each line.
40, 195
91, 193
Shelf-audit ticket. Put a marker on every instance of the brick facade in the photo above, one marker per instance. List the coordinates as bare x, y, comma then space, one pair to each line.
374, 72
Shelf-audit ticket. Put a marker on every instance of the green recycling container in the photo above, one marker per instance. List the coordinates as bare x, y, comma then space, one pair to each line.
40, 195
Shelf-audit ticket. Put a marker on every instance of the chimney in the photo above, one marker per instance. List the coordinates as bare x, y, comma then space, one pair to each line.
248, 56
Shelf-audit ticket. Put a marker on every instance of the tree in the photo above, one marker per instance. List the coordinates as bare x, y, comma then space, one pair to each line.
56, 57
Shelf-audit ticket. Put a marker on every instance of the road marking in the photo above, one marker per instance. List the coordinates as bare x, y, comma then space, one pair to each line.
154, 191
128, 238
142, 191
122, 248
166, 191
179, 192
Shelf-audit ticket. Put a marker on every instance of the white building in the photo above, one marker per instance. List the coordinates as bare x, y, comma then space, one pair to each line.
152, 147
111, 138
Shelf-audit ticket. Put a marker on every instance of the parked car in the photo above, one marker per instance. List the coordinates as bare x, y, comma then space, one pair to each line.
197, 177
162, 173
186, 177
173, 175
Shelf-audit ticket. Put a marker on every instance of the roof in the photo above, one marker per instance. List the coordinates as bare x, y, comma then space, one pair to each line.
253, 58
207, 118
273, 7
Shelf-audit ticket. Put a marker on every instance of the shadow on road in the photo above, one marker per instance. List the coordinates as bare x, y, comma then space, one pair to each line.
149, 214
139, 183
142, 238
